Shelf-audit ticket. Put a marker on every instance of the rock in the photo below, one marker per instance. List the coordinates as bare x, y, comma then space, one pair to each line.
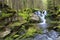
5, 33
58, 38
34, 18
53, 34
42, 37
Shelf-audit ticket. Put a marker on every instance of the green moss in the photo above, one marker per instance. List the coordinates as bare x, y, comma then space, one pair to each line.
15, 36
4, 15
8, 38
13, 25
24, 15
30, 31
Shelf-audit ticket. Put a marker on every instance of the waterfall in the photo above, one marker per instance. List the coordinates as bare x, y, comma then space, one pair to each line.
42, 15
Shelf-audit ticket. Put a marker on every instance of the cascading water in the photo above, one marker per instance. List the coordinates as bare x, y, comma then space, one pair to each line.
42, 15
47, 35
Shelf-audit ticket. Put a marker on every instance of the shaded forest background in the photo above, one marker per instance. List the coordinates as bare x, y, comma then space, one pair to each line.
21, 4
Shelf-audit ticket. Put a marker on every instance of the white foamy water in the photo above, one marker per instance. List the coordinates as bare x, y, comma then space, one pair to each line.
41, 16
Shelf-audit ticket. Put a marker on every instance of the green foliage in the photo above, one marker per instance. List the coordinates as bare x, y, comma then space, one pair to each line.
15, 36
8, 38
25, 13
30, 31
5, 15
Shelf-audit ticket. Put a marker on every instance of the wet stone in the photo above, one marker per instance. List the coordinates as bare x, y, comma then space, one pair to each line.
58, 38
53, 34
42, 37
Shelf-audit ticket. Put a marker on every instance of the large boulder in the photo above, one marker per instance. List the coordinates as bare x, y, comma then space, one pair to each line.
34, 18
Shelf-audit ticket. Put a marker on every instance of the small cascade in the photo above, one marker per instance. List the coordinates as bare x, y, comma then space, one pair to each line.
47, 35
42, 15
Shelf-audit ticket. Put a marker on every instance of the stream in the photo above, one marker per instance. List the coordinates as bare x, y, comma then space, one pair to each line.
47, 35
